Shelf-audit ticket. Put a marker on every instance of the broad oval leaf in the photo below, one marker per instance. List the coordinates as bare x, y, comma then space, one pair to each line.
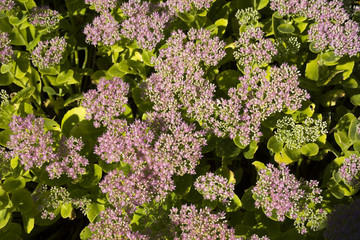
313, 48
235, 204
28, 222
274, 145
24, 94
227, 79
12, 184
286, 28
5, 215
186, 17
329, 58
66, 210
355, 99
22, 199
93, 210
71, 118
310, 149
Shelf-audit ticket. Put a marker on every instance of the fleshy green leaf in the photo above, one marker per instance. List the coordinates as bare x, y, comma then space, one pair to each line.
146, 56
313, 49
250, 150
29, 223
357, 146
66, 78
6, 79
50, 124
4, 137
248, 202
307, 110
71, 118
23, 94
330, 98
44, 178
227, 79
329, 58
221, 25
347, 68
274, 145
260, 4
258, 165
93, 210
22, 199
4, 198
225, 147
5, 215
66, 210
312, 70
237, 142
286, 28
352, 134
310, 149
92, 176
6, 67
85, 233
282, 157
14, 20
50, 71
235, 204
49, 90
355, 99
186, 17
22, 64
12, 184
73, 98
342, 140
183, 184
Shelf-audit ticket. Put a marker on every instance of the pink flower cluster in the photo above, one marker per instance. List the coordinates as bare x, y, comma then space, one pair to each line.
253, 48
215, 187
280, 194
350, 171
333, 28
48, 53
113, 225
200, 224
35, 147
318, 10
6, 51
102, 5
256, 98
106, 102
104, 29
71, 163
44, 17
149, 152
152, 158
343, 39
186, 5
178, 82
29, 141
6, 5
145, 22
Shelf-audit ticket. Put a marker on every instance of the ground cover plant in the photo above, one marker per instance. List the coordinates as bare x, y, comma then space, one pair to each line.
196, 119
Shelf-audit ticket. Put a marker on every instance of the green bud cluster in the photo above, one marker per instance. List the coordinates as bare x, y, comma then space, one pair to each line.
248, 16
287, 47
4, 97
295, 135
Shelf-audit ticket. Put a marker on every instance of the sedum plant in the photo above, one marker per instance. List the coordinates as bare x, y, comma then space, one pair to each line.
222, 119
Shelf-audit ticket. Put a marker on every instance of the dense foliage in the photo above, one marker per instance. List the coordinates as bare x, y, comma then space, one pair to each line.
179, 119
